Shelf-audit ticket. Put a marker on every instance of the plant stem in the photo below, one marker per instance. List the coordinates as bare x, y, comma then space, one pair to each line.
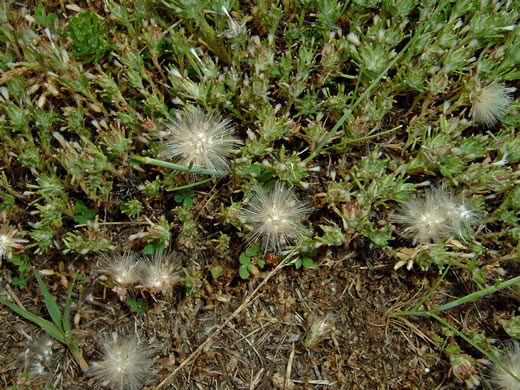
191, 185
361, 139
178, 167
478, 294
468, 298
78, 356
478, 347
420, 303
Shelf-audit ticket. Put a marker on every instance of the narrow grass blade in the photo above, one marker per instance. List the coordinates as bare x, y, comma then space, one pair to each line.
191, 185
66, 313
52, 306
47, 326
478, 294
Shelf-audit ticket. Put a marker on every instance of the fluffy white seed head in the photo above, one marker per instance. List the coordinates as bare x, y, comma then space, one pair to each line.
41, 357
8, 241
500, 379
127, 364
159, 273
490, 105
275, 217
121, 268
435, 216
201, 140
461, 217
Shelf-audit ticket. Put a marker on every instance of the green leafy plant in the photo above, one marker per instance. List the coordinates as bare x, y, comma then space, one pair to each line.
304, 262
185, 197
82, 213
22, 262
42, 17
88, 37
154, 246
248, 261
217, 272
193, 282
137, 305
132, 208
60, 327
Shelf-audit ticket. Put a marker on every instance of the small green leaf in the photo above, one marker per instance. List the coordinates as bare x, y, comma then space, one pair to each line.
40, 15
154, 246
82, 213
253, 250
244, 272
19, 282
306, 262
255, 169
137, 305
149, 249
244, 259
52, 306
512, 327
216, 272
185, 197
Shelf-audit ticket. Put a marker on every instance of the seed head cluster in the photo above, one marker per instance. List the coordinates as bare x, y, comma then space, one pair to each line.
197, 139
127, 364
156, 274
491, 104
500, 379
435, 216
275, 217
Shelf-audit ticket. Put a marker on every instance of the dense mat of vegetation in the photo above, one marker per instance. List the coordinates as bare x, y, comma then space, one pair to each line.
259, 194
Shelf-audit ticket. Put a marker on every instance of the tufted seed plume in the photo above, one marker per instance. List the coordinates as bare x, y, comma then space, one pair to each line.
159, 273
8, 241
435, 216
275, 217
41, 358
490, 105
500, 379
461, 217
123, 269
320, 329
197, 139
127, 364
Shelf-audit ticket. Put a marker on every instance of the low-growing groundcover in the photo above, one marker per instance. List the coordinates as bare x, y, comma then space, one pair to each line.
259, 194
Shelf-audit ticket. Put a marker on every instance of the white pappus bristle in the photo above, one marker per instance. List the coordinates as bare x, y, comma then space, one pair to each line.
275, 217
200, 140
490, 105
500, 379
159, 273
435, 216
127, 364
